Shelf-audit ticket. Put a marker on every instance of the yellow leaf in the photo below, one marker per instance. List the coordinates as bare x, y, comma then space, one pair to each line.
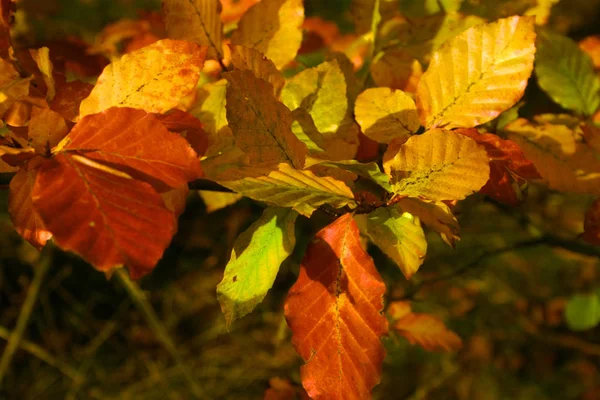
435, 215
385, 114
153, 79
211, 111
397, 69
42, 59
427, 331
46, 129
478, 74
438, 165
261, 125
12, 87
563, 161
250, 59
215, 201
197, 21
300, 189
400, 236
273, 27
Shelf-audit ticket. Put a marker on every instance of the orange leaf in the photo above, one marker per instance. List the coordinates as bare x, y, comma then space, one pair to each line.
591, 224
234, 9
334, 311
136, 143
46, 129
101, 214
425, 330
187, 126
591, 45
24, 218
508, 166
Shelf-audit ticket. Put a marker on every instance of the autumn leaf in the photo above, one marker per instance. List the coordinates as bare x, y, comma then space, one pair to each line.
197, 21
564, 162
263, 68
334, 311
478, 74
260, 123
397, 69
300, 189
427, 331
42, 59
105, 216
214, 201
567, 74
20, 207
384, 114
273, 27
591, 224
438, 165
136, 143
154, 78
68, 98
437, 216
46, 129
211, 111
188, 126
400, 236
591, 133
234, 9
508, 167
591, 45
12, 87
255, 259
367, 170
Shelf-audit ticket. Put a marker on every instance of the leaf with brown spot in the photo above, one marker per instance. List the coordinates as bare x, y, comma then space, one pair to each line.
334, 312
154, 78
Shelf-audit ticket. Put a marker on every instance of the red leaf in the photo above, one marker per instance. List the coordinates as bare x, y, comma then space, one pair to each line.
334, 311
187, 126
508, 166
138, 144
591, 224
24, 218
103, 215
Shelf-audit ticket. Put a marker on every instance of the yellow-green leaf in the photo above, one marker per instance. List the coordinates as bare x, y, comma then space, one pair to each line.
438, 165
154, 78
478, 74
261, 125
299, 189
273, 27
400, 236
255, 260
566, 73
435, 215
211, 111
214, 201
563, 161
197, 21
385, 114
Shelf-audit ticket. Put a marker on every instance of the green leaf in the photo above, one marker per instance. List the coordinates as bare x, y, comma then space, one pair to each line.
566, 73
400, 236
255, 260
583, 311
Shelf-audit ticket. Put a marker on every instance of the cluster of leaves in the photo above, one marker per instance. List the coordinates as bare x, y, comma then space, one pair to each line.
227, 91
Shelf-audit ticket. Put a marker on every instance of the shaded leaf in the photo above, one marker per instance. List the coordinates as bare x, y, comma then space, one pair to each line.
188, 127
397, 69
385, 114
369, 170
438, 165
273, 27
400, 236
42, 59
69, 96
263, 68
334, 311
197, 21
583, 311
478, 74
154, 78
255, 259
566, 73
591, 224
46, 129
20, 207
437, 216
260, 123
289, 187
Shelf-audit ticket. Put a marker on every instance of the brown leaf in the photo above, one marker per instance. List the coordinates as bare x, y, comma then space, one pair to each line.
68, 98
334, 311
591, 224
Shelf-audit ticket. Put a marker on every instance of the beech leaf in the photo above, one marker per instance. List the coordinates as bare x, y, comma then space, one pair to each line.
154, 78
263, 68
566, 73
478, 74
197, 21
385, 114
273, 27
437, 216
334, 312
438, 165
255, 260
591, 224
400, 236
46, 129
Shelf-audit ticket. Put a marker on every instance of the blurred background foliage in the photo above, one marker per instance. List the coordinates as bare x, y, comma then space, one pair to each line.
520, 289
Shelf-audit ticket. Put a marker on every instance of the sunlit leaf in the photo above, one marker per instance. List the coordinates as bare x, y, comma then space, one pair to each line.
215, 201
478, 74
42, 59
437, 216
369, 170
255, 259
400, 236
334, 312
300, 189
438, 165
566, 73
591, 45
154, 78
273, 27
260, 123
385, 114
211, 111
197, 21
